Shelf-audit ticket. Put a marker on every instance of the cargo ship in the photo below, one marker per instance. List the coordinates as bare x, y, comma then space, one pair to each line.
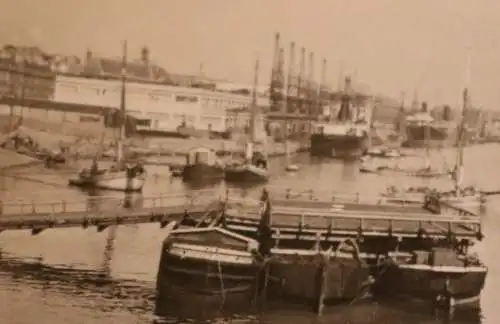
347, 136
422, 130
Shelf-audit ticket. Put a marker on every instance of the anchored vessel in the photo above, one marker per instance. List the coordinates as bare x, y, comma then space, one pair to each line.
422, 130
122, 176
202, 165
348, 135
211, 267
255, 168
467, 197
443, 275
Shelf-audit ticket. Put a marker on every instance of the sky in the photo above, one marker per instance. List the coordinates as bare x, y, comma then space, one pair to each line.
415, 47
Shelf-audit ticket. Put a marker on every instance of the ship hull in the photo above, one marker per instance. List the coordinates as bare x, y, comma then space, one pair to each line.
438, 136
246, 174
338, 146
112, 180
300, 278
208, 270
432, 283
202, 173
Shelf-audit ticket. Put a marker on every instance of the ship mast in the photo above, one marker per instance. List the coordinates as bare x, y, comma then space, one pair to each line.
123, 115
286, 101
459, 168
253, 114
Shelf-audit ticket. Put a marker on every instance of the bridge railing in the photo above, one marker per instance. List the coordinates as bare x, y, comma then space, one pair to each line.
277, 193
103, 204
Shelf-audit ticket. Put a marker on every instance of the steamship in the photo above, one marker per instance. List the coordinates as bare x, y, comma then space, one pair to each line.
346, 136
422, 130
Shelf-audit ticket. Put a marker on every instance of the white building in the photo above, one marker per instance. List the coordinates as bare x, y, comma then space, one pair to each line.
158, 107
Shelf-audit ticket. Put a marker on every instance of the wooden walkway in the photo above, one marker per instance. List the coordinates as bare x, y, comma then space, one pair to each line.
103, 212
337, 213
309, 215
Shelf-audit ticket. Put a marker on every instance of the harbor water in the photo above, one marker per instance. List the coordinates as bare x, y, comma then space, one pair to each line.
83, 276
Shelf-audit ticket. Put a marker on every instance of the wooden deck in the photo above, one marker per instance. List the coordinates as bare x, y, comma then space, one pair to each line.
352, 215
338, 214
102, 212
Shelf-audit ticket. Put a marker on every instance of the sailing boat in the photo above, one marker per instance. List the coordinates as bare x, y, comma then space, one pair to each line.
462, 196
255, 166
121, 176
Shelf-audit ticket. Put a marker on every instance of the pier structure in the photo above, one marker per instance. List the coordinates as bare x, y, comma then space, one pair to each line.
102, 212
327, 210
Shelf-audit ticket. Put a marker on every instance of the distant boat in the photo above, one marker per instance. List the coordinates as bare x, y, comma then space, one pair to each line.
442, 275
201, 165
348, 136
255, 168
122, 176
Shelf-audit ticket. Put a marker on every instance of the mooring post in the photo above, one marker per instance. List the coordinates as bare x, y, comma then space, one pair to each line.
322, 283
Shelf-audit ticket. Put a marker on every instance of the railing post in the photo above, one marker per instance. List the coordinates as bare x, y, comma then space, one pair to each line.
1, 207
357, 197
63, 205
33, 207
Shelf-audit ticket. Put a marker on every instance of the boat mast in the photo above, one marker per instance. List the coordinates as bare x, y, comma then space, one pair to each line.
427, 139
459, 168
253, 112
123, 115
287, 95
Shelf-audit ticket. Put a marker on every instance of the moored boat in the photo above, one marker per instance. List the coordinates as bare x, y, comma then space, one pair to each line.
319, 276
119, 177
255, 170
443, 275
255, 167
211, 267
122, 176
202, 165
348, 135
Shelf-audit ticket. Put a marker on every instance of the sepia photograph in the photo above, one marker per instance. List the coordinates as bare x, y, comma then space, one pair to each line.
250, 162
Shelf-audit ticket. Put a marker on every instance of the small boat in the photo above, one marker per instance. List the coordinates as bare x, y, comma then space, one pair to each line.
209, 266
176, 171
368, 166
292, 168
201, 165
468, 197
255, 168
122, 176
442, 275
392, 153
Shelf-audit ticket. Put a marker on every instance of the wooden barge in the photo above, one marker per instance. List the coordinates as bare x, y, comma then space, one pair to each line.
320, 251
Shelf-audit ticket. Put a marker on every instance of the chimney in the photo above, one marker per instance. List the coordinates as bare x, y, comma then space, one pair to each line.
145, 55
424, 107
88, 57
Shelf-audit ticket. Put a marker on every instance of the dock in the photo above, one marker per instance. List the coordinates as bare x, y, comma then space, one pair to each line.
102, 212
310, 214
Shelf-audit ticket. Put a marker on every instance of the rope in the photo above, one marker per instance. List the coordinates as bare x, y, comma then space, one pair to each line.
223, 292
